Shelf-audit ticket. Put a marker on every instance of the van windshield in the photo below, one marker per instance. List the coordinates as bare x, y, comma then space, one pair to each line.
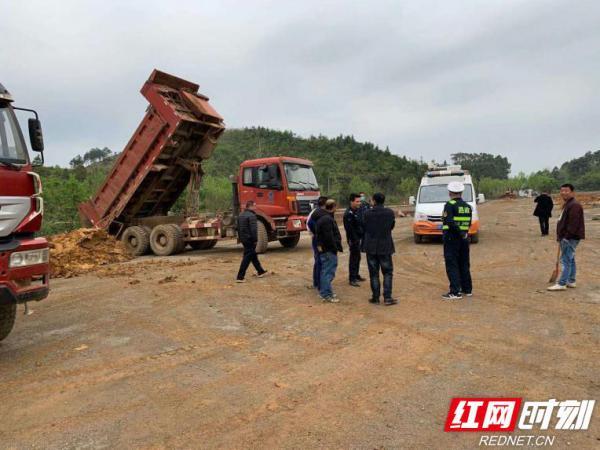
438, 193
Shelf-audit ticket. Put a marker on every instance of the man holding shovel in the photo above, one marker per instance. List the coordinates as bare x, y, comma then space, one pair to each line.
570, 229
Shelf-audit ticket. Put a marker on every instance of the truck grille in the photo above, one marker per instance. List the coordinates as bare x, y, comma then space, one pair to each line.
304, 207
434, 218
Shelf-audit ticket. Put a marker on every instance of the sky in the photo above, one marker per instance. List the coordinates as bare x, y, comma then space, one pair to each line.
425, 78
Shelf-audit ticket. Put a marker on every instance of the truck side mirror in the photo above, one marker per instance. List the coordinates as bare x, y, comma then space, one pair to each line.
411, 200
481, 198
35, 135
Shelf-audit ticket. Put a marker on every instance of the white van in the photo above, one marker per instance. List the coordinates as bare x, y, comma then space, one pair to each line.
433, 195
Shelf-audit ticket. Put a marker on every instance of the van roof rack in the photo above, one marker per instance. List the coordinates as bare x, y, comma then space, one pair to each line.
444, 171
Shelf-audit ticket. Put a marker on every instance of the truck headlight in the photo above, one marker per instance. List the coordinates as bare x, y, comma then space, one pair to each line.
28, 258
419, 217
297, 223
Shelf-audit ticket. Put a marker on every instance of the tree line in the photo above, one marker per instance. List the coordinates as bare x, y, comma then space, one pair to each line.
342, 165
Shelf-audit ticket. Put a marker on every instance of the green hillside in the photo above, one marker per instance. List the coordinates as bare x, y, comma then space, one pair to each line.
342, 165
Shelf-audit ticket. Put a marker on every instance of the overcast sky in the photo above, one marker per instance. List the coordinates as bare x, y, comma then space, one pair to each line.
426, 78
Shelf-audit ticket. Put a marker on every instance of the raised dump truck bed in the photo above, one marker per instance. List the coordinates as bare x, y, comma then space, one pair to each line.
179, 131
164, 156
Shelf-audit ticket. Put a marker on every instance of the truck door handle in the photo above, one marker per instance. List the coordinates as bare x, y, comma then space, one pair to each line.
259, 194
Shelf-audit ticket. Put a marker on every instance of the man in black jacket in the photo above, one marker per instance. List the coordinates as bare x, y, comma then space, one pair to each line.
329, 243
311, 224
248, 236
354, 234
543, 211
379, 247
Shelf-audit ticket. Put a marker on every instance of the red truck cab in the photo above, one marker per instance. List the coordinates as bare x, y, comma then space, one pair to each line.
284, 189
23, 256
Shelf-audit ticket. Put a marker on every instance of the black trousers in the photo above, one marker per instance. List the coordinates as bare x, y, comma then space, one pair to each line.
544, 224
354, 261
458, 265
386, 265
250, 256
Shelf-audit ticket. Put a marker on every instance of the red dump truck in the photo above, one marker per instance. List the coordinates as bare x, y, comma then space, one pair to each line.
164, 156
23, 256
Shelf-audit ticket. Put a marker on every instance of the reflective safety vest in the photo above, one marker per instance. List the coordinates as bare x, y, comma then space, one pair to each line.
457, 216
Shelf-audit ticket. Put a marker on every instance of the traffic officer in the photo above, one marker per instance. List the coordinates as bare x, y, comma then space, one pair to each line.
456, 222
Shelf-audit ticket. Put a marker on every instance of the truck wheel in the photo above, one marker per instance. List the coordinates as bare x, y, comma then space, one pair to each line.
475, 238
263, 237
290, 241
136, 240
164, 240
8, 314
180, 241
418, 238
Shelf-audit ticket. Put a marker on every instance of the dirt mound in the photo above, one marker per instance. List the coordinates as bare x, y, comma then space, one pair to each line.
587, 199
511, 195
82, 251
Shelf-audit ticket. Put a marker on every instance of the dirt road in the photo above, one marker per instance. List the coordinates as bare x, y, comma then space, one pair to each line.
164, 353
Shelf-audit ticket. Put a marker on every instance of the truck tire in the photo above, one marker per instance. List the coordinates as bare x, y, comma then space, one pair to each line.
475, 238
136, 240
8, 314
290, 241
180, 241
418, 238
165, 240
263, 237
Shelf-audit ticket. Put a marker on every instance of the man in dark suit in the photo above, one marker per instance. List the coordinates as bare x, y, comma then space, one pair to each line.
379, 247
543, 211
354, 235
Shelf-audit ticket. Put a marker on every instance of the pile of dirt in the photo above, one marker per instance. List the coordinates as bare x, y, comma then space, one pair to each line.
587, 199
509, 195
82, 251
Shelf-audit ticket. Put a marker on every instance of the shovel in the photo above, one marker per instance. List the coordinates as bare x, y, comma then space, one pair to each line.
554, 275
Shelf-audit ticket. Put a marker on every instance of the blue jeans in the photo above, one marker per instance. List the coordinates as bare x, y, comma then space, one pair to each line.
329, 262
567, 258
386, 265
316, 265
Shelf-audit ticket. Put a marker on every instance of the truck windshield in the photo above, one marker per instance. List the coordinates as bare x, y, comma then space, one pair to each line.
12, 147
300, 177
438, 193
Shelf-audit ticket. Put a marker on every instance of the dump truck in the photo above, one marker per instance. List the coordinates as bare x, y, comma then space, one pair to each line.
164, 157
24, 270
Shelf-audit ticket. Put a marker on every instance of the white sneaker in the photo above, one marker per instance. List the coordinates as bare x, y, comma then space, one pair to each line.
557, 287
571, 285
